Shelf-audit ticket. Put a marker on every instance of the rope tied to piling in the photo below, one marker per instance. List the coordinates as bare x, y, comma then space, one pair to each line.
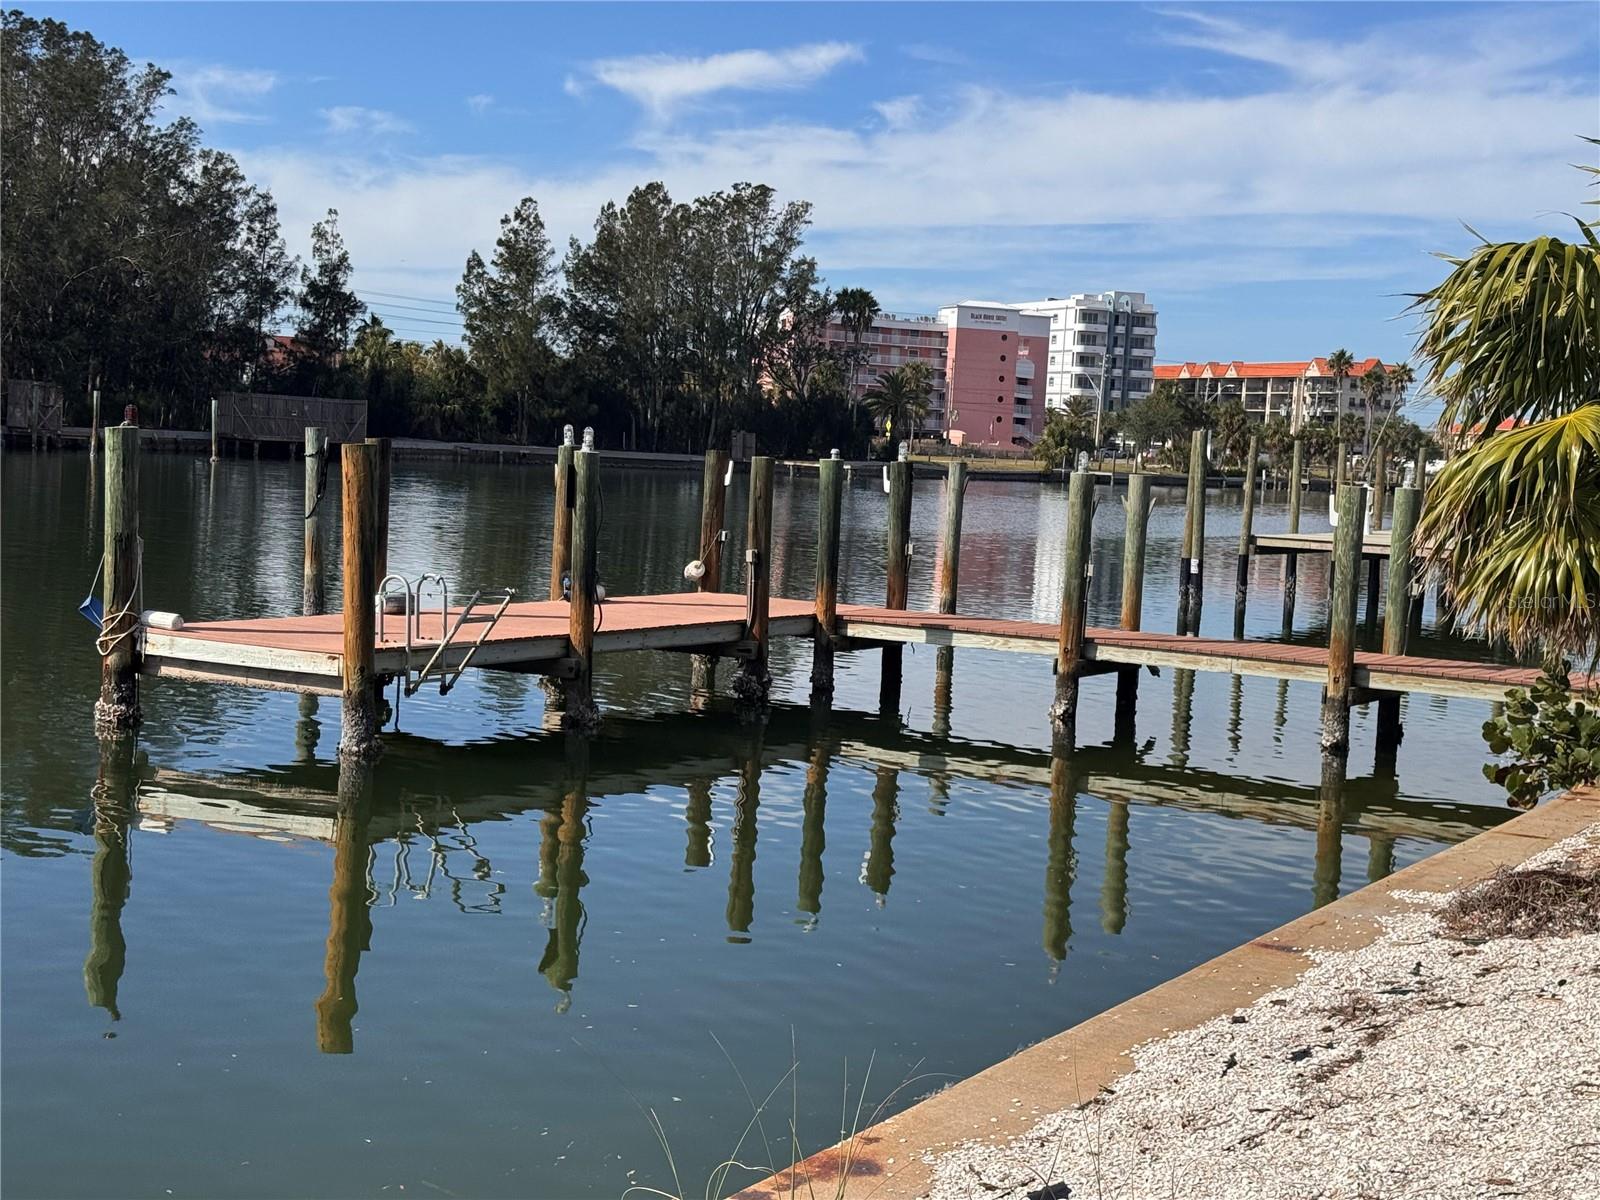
105, 643
322, 479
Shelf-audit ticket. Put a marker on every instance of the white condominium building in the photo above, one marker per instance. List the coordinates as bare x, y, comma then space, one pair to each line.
1102, 348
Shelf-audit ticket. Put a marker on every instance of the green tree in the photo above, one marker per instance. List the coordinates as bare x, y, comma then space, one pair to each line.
1340, 363
1067, 432
857, 309
507, 307
1512, 334
1231, 429
1158, 418
128, 247
328, 307
899, 399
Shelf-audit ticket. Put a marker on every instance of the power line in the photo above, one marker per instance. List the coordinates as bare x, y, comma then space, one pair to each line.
398, 296
420, 320
384, 304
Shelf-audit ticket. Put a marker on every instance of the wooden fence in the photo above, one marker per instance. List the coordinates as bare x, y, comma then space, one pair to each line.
257, 417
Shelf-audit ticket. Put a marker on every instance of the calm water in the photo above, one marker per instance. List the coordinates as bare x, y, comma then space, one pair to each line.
537, 945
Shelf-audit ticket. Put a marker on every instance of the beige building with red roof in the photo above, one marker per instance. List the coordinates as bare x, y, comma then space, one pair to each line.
1301, 391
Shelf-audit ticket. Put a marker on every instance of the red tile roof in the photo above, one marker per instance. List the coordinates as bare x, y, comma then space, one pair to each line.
1260, 370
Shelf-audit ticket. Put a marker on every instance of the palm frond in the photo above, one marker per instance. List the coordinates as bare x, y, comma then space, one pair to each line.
1513, 332
1514, 525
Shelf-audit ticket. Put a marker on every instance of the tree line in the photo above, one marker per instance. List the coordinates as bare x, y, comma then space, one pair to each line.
144, 264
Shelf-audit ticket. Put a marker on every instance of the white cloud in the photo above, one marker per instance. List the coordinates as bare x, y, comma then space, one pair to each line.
215, 95
928, 52
662, 82
1300, 179
899, 111
481, 103
352, 119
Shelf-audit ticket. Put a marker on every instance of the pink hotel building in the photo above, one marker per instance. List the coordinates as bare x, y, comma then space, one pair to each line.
986, 361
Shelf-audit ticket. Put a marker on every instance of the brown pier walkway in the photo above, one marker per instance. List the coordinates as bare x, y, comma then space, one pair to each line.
306, 653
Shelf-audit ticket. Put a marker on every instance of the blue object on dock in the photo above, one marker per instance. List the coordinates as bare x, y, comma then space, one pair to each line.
93, 611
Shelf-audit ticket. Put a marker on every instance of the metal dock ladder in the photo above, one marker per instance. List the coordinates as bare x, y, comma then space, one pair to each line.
436, 666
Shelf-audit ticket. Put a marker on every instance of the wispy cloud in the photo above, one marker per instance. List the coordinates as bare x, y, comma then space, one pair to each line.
1290, 178
928, 52
481, 103
214, 94
900, 111
662, 83
353, 118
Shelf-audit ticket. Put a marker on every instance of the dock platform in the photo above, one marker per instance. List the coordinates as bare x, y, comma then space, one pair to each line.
305, 654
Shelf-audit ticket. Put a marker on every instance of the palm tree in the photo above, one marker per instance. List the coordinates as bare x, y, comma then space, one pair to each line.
857, 309
1374, 389
1339, 364
1512, 334
899, 399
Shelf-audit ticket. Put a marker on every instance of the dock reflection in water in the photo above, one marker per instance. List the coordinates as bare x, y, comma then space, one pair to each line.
374, 817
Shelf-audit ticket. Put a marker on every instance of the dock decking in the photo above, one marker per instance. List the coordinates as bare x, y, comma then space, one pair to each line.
305, 653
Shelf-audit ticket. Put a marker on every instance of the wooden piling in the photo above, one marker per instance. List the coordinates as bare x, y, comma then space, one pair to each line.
1380, 486
830, 495
117, 710
753, 683
1242, 580
1133, 555
313, 588
1074, 597
214, 429
1291, 561
955, 489
381, 470
561, 518
358, 735
1341, 460
1133, 549
1346, 567
897, 539
713, 513
1397, 614
580, 714
94, 423
1191, 572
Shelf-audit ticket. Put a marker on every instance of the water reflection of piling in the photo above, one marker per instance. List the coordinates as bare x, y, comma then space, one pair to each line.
1380, 857
742, 853
1235, 712
878, 870
697, 816
349, 917
1061, 866
1182, 716
1330, 822
559, 965
813, 836
307, 730
1114, 883
111, 873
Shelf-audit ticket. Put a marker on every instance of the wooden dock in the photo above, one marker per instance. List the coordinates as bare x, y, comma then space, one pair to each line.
1374, 545
305, 654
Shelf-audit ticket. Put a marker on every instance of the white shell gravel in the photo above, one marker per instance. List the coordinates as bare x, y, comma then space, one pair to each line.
1418, 1067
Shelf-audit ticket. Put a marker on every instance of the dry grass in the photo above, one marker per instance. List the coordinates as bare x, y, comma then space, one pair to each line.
1542, 902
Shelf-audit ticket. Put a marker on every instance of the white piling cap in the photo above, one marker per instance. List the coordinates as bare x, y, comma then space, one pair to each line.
905, 451
588, 437
834, 453
566, 436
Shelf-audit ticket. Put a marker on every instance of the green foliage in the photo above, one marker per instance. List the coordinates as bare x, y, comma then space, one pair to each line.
1230, 431
899, 400
506, 307
1513, 520
135, 258
1552, 735
1066, 433
328, 307
1159, 417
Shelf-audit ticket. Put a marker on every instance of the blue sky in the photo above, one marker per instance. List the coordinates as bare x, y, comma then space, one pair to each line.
1272, 175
